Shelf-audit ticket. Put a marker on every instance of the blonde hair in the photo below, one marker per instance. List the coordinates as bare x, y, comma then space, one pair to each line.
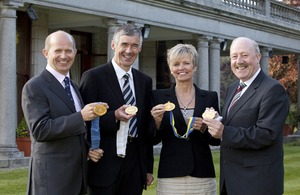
179, 50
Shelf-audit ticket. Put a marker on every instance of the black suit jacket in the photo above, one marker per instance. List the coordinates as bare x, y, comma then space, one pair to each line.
251, 147
100, 84
181, 157
58, 138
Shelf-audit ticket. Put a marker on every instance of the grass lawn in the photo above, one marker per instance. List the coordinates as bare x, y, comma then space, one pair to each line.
13, 181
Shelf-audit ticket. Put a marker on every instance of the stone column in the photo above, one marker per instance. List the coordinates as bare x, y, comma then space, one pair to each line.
214, 68
112, 24
298, 91
8, 80
202, 75
99, 46
136, 63
267, 8
264, 61
39, 32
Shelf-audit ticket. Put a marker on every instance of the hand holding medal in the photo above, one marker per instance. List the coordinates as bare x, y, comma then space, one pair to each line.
210, 113
100, 110
131, 110
169, 106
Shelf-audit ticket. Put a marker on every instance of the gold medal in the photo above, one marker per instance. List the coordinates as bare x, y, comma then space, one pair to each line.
209, 113
100, 109
169, 106
131, 110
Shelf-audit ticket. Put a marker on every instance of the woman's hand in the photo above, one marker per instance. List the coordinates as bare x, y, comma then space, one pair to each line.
157, 113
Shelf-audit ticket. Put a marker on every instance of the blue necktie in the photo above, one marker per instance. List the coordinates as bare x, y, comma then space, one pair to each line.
68, 88
130, 100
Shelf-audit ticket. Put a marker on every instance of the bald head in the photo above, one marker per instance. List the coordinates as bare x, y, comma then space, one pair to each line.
246, 41
58, 35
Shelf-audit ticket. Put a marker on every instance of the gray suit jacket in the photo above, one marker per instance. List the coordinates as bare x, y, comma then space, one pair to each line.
251, 147
59, 154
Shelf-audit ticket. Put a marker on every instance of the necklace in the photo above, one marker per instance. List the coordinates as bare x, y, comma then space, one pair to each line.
184, 110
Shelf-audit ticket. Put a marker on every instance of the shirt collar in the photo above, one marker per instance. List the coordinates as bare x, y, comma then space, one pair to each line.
120, 72
248, 82
60, 77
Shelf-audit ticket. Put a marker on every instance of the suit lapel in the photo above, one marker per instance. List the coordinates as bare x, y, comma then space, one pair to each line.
75, 87
231, 92
112, 81
199, 104
138, 87
58, 89
251, 90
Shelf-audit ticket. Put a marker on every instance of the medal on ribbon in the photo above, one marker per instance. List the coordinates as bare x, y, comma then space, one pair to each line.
95, 126
189, 129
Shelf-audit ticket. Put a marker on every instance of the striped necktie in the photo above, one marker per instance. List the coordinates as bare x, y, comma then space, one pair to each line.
129, 100
68, 88
237, 95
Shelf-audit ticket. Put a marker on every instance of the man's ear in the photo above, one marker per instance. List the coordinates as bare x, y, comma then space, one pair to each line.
112, 45
45, 52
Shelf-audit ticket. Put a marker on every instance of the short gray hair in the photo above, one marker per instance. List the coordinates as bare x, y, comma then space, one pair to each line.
128, 30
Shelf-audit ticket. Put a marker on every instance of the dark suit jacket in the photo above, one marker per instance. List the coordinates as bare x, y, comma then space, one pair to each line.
58, 160
251, 147
100, 84
181, 157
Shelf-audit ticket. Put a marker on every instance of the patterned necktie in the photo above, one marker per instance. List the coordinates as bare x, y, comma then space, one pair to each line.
129, 100
237, 95
68, 88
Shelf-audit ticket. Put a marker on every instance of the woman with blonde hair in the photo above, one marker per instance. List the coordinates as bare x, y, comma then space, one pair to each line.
186, 164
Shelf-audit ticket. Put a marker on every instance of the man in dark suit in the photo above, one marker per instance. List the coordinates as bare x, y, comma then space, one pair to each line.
252, 129
125, 171
58, 163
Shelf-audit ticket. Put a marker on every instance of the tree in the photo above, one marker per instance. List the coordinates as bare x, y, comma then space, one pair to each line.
286, 74
292, 2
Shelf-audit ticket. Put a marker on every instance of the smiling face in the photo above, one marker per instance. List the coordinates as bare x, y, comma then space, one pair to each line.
182, 68
245, 57
126, 50
60, 51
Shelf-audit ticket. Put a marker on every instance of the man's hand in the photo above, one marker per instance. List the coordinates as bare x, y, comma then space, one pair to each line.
95, 155
150, 179
215, 127
121, 115
88, 113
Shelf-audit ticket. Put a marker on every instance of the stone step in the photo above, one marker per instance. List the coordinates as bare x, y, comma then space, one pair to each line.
14, 162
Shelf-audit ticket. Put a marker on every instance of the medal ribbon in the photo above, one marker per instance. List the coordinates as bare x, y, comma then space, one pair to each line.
188, 130
95, 132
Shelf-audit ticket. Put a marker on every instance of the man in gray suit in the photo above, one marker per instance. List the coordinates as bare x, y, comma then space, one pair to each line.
252, 129
56, 121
